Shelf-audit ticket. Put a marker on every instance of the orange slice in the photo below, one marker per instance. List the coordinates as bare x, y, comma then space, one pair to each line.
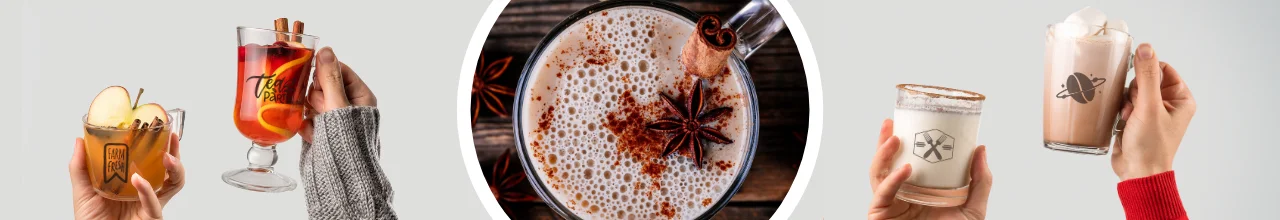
272, 114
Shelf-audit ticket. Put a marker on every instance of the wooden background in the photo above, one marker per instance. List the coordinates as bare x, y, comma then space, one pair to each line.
775, 68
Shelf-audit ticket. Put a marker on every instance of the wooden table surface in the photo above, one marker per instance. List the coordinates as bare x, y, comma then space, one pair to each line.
776, 70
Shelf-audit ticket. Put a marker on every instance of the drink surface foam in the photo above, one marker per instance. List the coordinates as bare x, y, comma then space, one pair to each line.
590, 95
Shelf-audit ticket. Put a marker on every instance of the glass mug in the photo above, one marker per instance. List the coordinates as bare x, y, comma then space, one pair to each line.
113, 155
1084, 79
754, 25
273, 70
938, 131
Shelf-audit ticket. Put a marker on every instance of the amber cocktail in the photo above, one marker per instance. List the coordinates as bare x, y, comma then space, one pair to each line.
273, 70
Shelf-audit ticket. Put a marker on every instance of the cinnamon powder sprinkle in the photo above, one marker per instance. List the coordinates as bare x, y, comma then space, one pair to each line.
667, 210
724, 165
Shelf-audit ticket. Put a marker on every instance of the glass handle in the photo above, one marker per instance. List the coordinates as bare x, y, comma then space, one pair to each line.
177, 117
755, 24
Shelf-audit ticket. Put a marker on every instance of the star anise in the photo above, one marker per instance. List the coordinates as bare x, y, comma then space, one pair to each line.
503, 183
688, 124
485, 92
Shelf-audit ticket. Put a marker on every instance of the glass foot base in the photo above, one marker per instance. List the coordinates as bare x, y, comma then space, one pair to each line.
933, 197
259, 180
1076, 148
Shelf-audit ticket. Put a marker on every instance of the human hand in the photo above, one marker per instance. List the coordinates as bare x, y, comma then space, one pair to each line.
88, 205
1153, 120
334, 85
884, 185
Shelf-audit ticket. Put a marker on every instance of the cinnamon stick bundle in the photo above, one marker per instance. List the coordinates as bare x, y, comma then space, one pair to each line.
708, 48
283, 33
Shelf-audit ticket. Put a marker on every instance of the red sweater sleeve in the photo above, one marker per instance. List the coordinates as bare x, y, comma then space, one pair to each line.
1152, 197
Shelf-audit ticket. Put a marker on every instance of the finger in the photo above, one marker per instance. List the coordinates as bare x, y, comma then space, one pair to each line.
357, 91
1175, 90
1127, 108
315, 96
174, 149
980, 180
79, 172
1117, 148
884, 194
329, 76
174, 180
886, 131
1147, 81
307, 128
151, 207
883, 160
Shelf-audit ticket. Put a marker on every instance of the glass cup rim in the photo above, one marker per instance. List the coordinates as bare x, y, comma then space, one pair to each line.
313, 37
518, 118
1126, 33
974, 96
85, 119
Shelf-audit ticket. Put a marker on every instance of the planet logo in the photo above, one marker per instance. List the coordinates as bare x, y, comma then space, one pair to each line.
1080, 88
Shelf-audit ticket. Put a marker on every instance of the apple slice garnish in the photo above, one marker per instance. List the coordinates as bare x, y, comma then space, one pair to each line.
110, 108
149, 112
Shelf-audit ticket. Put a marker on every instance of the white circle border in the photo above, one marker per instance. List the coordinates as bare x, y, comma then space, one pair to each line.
812, 76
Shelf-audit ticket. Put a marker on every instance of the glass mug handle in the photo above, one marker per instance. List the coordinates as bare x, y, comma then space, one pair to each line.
755, 24
177, 118
1118, 126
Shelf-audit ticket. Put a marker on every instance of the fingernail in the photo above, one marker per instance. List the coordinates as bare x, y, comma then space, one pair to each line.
1146, 52
326, 56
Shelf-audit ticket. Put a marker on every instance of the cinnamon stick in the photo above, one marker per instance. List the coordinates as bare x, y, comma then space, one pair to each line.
297, 31
708, 48
282, 27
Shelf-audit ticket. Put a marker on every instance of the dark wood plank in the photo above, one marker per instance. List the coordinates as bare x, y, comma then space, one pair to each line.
539, 211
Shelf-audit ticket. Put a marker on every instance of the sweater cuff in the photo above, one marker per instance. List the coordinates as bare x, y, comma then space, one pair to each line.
1152, 197
349, 124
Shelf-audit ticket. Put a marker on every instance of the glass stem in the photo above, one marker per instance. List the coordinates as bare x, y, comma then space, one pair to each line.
261, 158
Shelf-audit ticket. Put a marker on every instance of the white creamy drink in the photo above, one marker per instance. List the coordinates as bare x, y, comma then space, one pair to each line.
938, 130
588, 100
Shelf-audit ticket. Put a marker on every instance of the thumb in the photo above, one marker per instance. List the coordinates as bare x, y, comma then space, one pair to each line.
329, 77
1147, 80
150, 205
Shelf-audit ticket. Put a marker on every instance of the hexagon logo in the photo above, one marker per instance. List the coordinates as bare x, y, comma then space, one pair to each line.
934, 146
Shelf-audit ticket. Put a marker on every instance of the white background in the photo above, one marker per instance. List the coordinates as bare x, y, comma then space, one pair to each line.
410, 53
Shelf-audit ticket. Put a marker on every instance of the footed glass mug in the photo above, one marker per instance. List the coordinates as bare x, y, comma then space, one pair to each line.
628, 53
273, 71
114, 154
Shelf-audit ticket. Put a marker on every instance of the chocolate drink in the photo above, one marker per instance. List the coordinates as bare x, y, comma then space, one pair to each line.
1084, 76
591, 94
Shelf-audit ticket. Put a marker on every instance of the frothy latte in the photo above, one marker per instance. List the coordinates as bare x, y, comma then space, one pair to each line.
589, 96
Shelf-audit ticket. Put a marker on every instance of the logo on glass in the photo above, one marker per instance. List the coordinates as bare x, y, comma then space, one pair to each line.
1080, 88
116, 162
934, 146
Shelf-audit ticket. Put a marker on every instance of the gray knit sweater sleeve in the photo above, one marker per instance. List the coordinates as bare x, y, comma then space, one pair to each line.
340, 169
